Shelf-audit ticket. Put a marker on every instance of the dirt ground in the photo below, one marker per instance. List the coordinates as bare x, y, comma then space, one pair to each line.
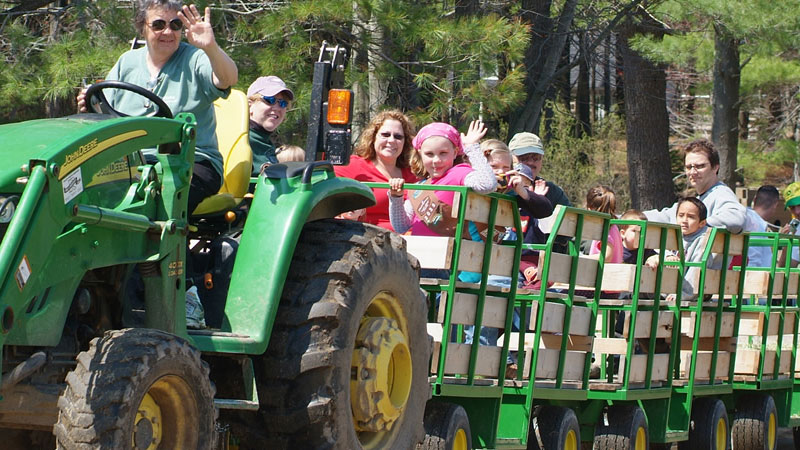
785, 440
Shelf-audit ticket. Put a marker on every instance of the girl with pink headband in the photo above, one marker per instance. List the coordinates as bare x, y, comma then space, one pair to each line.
439, 158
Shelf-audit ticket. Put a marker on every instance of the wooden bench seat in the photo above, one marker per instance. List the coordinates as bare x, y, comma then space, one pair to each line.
620, 348
458, 303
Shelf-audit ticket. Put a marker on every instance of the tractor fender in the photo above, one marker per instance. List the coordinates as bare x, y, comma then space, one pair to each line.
279, 209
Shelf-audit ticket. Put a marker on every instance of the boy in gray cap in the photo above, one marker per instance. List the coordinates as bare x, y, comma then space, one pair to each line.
528, 149
269, 100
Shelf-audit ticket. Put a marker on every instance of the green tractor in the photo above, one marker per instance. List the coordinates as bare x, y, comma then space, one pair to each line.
317, 333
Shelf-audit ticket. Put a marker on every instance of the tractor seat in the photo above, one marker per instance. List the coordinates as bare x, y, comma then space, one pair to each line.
233, 140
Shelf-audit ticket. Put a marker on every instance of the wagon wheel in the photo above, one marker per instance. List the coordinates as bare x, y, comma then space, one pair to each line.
755, 424
709, 426
622, 428
446, 427
556, 428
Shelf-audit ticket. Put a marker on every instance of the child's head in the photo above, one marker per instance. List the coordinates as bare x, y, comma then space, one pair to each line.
630, 233
286, 153
437, 148
691, 215
498, 155
601, 198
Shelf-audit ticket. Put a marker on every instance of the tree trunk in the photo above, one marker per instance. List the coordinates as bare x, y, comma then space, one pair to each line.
725, 123
583, 102
359, 59
541, 59
647, 125
467, 8
744, 124
378, 83
607, 77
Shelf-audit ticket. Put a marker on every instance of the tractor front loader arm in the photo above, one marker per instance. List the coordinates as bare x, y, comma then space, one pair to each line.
65, 224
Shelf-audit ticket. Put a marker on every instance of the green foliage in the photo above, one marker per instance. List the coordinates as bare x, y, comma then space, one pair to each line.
767, 33
436, 65
577, 164
764, 72
758, 164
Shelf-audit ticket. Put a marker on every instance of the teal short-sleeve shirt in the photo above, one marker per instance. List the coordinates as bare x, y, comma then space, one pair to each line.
185, 83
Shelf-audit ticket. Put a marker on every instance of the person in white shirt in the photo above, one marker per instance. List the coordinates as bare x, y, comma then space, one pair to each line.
763, 212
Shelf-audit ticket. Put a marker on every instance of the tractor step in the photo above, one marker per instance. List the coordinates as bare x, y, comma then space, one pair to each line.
251, 404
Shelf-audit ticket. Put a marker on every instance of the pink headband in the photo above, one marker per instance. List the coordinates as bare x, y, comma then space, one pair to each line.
438, 129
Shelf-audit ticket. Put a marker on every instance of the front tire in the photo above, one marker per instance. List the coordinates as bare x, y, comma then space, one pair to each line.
347, 362
137, 388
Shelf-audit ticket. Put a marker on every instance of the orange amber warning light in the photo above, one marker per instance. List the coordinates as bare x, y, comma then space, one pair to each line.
339, 106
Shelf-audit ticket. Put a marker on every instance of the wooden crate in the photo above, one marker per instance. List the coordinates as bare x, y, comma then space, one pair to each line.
707, 324
547, 364
465, 307
747, 362
639, 368
643, 319
553, 321
622, 278
751, 323
704, 364
487, 363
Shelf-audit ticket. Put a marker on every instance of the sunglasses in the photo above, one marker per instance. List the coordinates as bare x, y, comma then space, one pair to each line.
271, 100
397, 137
160, 24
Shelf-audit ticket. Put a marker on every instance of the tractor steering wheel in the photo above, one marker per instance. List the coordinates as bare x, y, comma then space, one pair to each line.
96, 100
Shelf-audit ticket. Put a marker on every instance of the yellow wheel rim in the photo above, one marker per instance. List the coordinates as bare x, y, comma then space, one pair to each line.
381, 371
571, 442
165, 416
771, 431
641, 439
460, 440
721, 435
147, 425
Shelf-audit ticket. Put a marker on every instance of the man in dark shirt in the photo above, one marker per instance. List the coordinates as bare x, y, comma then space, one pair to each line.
528, 149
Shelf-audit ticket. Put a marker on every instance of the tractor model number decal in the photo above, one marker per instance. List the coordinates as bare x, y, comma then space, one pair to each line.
72, 185
93, 148
23, 272
175, 268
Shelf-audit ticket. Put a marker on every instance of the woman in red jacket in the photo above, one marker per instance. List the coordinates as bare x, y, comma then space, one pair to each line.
382, 153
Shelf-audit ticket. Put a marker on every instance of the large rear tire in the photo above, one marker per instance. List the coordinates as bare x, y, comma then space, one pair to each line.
709, 428
347, 361
622, 428
137, 388
755, 425
446, 427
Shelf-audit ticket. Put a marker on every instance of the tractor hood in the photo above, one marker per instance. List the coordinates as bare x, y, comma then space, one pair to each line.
38, 139
71, 141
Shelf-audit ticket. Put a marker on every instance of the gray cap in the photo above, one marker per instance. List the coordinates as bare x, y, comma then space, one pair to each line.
524, 170
524, 143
